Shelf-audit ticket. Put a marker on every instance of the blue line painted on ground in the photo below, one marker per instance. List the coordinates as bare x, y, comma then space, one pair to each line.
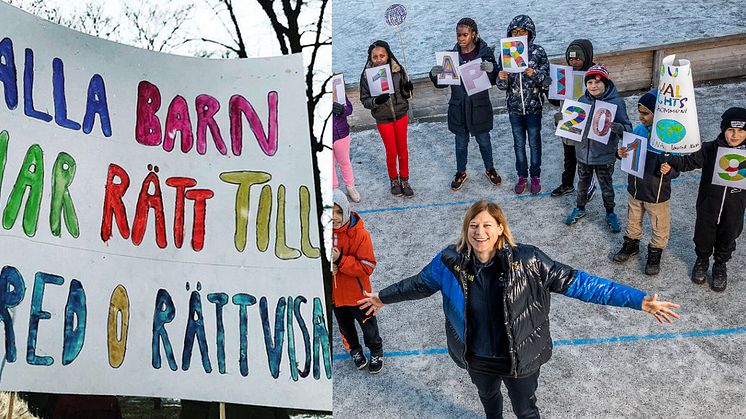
449, 204
587, 341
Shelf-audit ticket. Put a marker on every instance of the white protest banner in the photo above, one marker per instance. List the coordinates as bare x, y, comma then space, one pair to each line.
578, 84
158, 234
562, 82
379, 80
675, 125
574, 118
514, 51
475, 79
730, 168
338, 88
603, 117
637, 147
449, 61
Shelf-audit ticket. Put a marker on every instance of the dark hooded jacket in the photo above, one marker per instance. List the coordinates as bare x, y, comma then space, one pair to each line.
530, 278
398, 104
587, 48
524, 93
592, 152
473, 113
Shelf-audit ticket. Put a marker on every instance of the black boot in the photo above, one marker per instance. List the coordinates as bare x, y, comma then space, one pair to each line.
719, 276
396, 187
630, 247
653, 265
699, 271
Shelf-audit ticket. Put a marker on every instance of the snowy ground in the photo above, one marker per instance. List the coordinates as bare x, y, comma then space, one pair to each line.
611, 25
607, 362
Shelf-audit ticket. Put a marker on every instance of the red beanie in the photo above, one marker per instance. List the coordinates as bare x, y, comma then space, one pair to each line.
598, 72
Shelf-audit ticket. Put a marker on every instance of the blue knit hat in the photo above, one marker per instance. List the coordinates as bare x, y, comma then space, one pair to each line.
648, 100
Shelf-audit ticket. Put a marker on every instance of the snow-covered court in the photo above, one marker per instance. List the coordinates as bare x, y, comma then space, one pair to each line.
607, 362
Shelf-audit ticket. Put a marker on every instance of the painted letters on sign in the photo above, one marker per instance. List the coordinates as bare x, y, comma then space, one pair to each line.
730, 168
474, 78
514, 51
637, 147
574, 117
675, 125
338, 88
450, 63
380, 80
603, 117
562, 86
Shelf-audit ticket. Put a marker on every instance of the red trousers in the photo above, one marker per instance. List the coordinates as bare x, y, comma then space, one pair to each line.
394, 136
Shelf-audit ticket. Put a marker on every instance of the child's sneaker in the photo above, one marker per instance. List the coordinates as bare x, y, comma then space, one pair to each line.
719, 277
520, 186
574, 216
354, 194
562, 190
493, 176
613, 221
535, 185
376, 363
699, 271
406, 190
396, 187
358, 357
458, 181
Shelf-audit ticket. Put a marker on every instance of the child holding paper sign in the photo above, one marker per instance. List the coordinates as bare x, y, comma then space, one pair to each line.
650, 194
341, 148
595, 156
720, 208
390, 112
470, 115
524, 103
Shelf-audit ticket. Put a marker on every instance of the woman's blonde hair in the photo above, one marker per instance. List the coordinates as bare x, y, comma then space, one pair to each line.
505, 239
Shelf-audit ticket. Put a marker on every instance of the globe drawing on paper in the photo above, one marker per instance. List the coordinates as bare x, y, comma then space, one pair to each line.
670, 131
734, 166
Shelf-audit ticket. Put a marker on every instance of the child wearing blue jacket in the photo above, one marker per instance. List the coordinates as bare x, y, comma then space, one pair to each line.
649, 195
596, 157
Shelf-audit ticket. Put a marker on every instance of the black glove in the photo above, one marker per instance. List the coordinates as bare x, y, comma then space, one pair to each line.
408, 86
557, 118
338, 109
436, 70
617, 128
381, 99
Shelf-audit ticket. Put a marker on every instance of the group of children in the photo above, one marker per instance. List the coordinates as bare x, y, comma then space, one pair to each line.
720, 209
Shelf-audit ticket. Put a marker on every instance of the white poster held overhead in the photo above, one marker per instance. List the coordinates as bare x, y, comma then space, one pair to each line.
474, 78
637, 147
338, 88
380, 80
603, 117
449, 61
578, 84
730, 168
159, 236
675, 125
574, 118
562, 82
514, 52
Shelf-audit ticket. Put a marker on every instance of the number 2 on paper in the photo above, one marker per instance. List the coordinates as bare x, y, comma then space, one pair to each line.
569, 125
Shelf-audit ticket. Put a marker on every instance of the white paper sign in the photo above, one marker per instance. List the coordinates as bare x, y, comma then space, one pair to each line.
562, 82
475, 79
578, 84
380, 80
450, 63
338, 88
637, 147
159, 235
675, 125
574, 118
514, 52
730, 168
603, 117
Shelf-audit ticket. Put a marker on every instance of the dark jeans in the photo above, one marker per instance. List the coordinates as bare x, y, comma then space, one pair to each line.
462, 150
604, 174
531, 124
520, 390
568, 174
346, 317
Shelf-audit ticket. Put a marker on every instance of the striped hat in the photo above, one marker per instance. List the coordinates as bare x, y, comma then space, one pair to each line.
598, 72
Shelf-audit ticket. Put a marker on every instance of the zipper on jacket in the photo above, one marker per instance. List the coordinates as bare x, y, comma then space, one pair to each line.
509, 280
464, 285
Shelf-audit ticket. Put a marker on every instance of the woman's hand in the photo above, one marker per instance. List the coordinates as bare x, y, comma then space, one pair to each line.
530, 72
660, 309
371, 302
502, 75
665, 168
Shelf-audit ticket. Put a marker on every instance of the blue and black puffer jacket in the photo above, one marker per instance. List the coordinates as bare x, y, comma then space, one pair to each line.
523, 94
531, 276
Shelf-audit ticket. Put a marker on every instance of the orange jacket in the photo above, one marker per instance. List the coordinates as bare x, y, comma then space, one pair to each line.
355, 264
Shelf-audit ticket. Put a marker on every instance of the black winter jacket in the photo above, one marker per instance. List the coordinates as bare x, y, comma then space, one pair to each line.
398, 104
466, 113
646, 189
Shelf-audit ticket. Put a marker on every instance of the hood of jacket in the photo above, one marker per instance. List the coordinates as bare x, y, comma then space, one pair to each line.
525, 22
587, 48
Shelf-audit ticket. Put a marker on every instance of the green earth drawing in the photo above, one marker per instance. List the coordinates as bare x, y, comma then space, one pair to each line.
670, 131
